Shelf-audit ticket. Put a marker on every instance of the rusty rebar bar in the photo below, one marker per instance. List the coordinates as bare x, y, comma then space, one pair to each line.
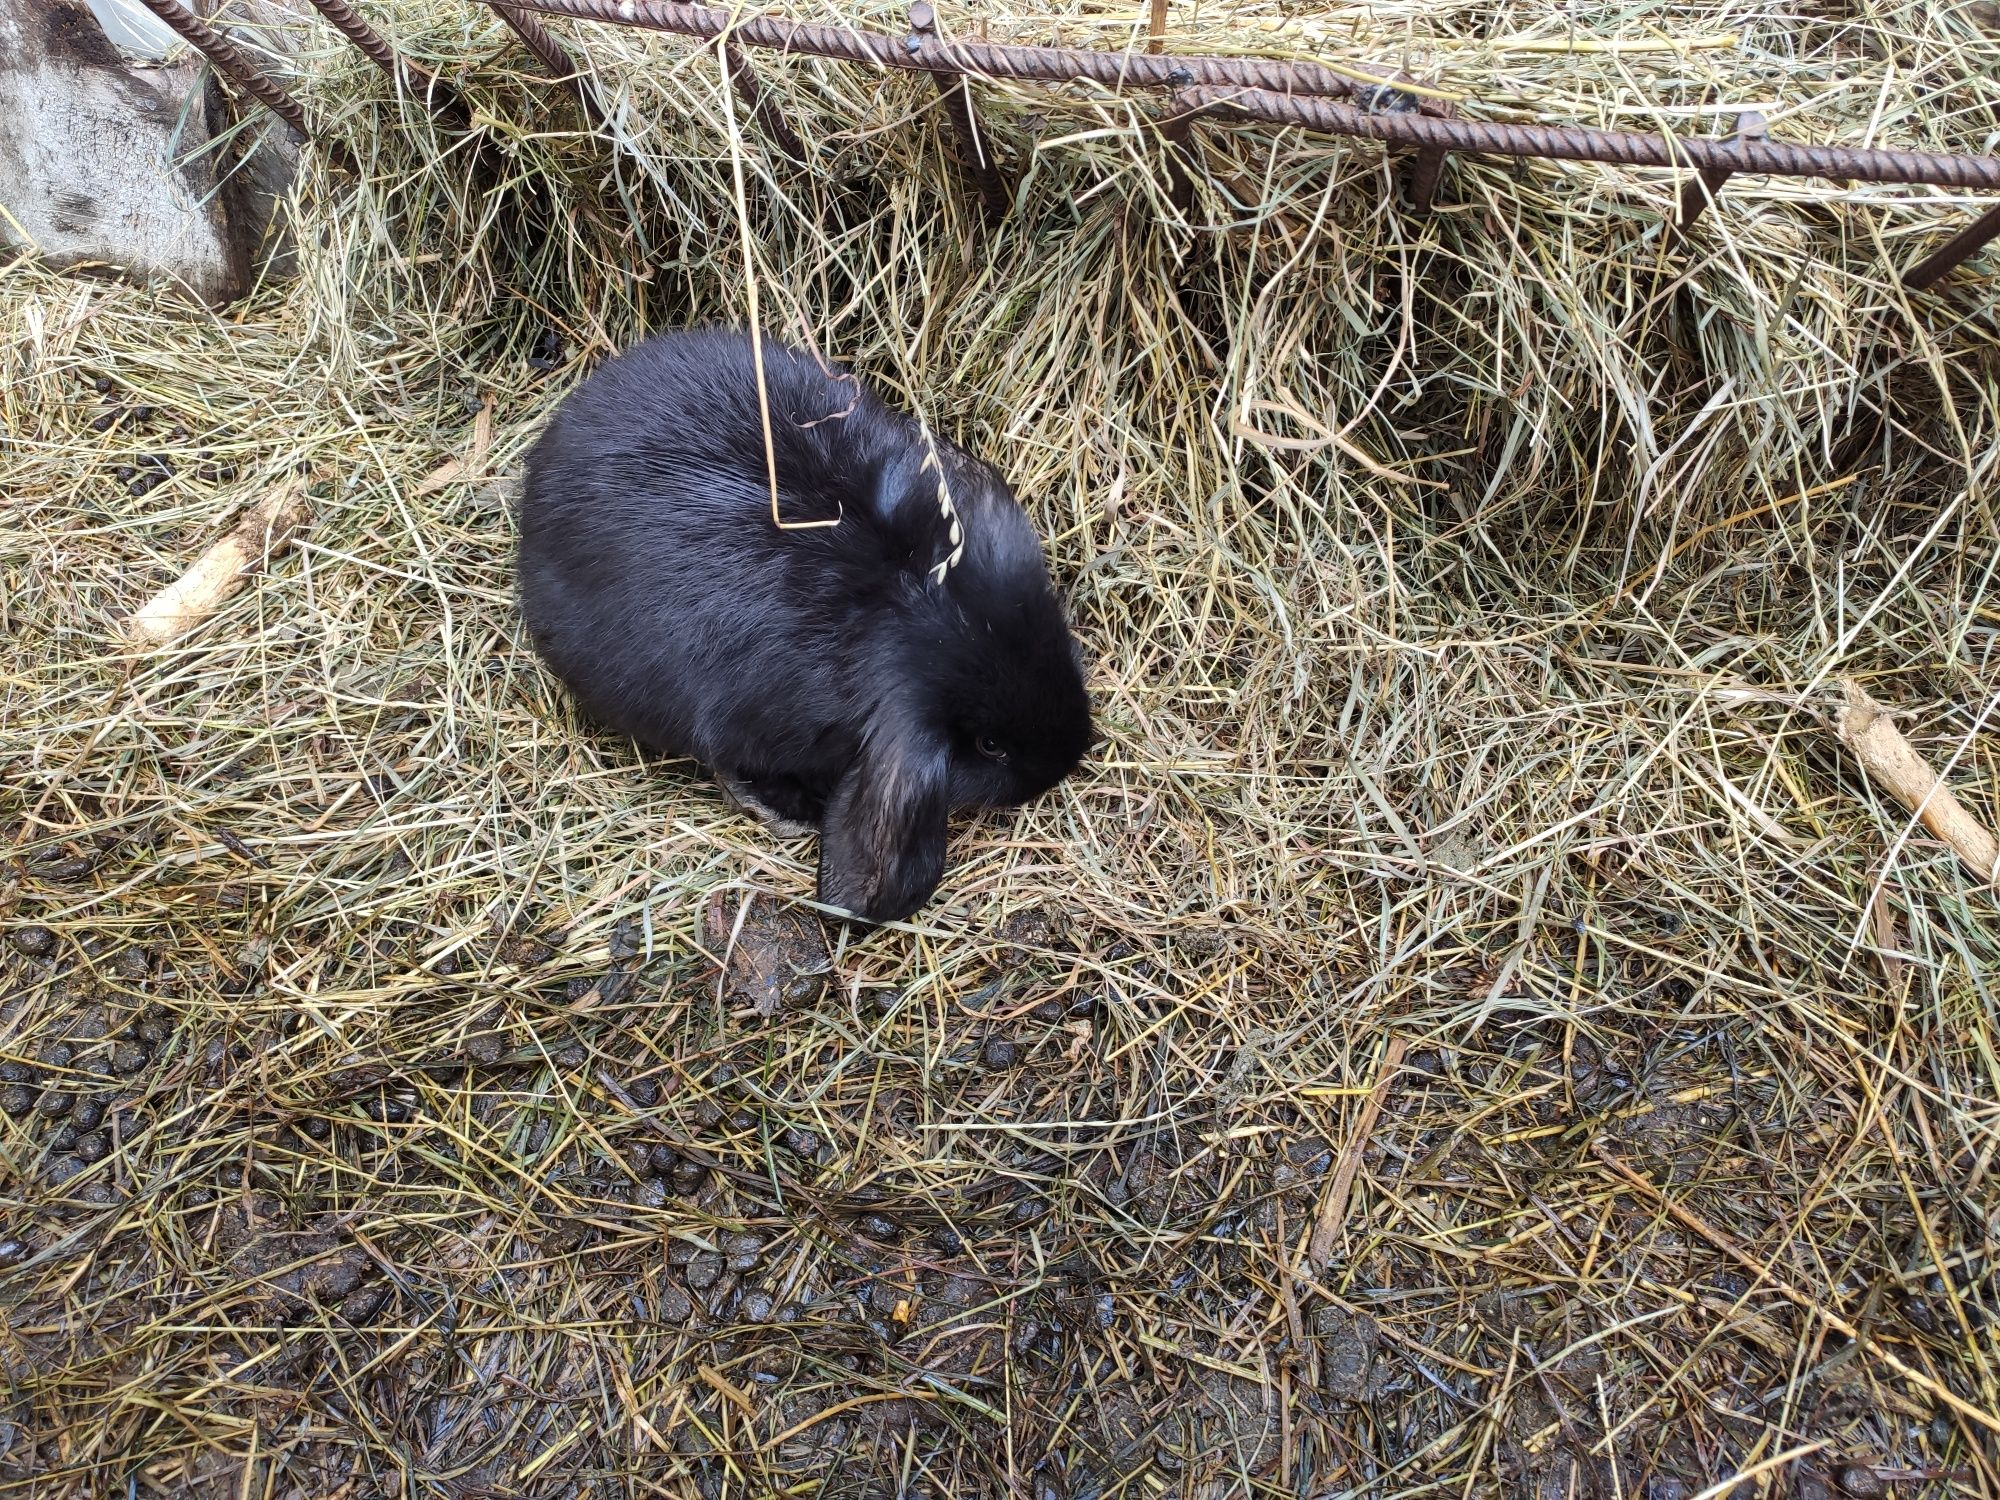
995, 197
1932, 268
1284, 93
551, 54
1701, 189
438, 96
1305, 95
1619, 147
1425, 172
1175, 127
224, 56
980, 59
763, 108
955, 93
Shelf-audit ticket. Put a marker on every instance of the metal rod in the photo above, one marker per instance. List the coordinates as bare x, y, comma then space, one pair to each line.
1283, 93
227, 60
553, 56
1701, 190
1577, 143
550, 53
994, 196
992, 60
1426, 164
1696, 194
439, 97
956, 94
1176, 128
763, 108
1426, 168
1932, 268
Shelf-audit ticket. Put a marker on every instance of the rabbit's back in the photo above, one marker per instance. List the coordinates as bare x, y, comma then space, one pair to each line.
651, 577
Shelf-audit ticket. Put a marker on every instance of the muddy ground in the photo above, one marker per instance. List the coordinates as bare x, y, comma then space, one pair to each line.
676, 1226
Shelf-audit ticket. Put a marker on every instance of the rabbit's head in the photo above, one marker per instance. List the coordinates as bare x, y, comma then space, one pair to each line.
978, 701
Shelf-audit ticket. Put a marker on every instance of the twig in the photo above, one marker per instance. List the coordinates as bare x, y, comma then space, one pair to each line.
1333, 1207
264, 530
1887, 758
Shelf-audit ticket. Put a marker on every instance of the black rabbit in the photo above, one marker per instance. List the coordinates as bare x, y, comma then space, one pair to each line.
867, 677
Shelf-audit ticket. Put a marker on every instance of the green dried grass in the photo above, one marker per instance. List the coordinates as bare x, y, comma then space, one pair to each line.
1463, 758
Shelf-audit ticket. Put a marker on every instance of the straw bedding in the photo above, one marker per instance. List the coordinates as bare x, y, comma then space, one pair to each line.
1470, 1030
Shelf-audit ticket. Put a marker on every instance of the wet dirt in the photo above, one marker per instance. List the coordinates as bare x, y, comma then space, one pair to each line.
776, 957
769, 1253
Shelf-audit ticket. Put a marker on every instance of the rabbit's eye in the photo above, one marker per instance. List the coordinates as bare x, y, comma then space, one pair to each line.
991, 749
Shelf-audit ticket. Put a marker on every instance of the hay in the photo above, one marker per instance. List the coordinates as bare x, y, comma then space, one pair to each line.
1467, 877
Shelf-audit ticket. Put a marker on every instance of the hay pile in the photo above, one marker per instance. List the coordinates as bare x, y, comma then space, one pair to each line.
1471, 1030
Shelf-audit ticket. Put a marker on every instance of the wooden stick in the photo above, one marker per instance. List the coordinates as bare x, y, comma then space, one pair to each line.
1863, 725
262, 532
1333, 1208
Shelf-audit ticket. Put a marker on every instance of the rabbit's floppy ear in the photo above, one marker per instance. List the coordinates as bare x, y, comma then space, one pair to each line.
893, 483
882, 841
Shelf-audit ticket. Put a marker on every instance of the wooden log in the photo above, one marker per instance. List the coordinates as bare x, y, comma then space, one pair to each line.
1887, 759
264, 530
109, 160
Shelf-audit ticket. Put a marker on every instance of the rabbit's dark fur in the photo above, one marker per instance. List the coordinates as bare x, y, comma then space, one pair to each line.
826, 673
